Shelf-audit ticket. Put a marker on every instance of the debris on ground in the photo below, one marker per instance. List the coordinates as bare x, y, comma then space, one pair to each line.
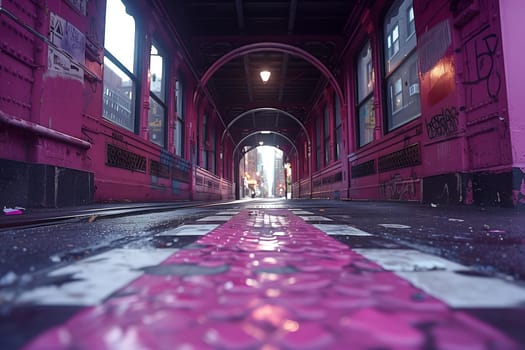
8, 278
55, 258
14, 211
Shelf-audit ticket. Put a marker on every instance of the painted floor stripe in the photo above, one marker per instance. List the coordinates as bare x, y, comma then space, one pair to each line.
341, 230
315, 218
301, 212
229, 212
98, 277
398, 260
190, 230
453, 283
463, 291
215, 218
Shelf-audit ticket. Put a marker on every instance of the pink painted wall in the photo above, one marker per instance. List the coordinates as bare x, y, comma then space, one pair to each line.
34, 92
512, 14
443, 127
43, 88
481, 74
463, 130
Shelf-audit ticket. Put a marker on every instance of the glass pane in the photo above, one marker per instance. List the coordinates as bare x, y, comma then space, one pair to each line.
179, 138
156, 122
119, 37
398, 39
411, 23
338, 134
366, 122
326, 122
213, 146
397, 95
318, 132
204, 135
365, 73
326, 151
337, 111
318, 154
337, 127
157, 74
403, 93
119, 96
179, 95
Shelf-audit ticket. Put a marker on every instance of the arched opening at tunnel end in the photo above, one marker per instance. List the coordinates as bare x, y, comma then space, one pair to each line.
264, 173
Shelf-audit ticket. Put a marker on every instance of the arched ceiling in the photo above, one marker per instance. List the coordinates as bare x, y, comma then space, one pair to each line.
211, 29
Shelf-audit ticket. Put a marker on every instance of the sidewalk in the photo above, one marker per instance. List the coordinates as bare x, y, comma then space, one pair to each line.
36, 216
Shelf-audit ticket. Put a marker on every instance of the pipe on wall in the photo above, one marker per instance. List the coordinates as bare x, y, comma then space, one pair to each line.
43, 131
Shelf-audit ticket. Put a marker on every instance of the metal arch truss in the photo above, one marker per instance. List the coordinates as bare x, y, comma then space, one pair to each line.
263, 109
273, 47
258, 132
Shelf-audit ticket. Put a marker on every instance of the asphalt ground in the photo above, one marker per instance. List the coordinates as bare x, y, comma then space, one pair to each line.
487, 242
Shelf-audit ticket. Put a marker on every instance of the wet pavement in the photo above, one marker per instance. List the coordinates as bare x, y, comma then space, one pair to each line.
269, 275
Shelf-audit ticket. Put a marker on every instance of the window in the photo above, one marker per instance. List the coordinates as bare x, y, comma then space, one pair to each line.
307, 157
365, 97
411, 22
213, 146
120, 81
179, 123
326, 131
397, 94
204, 133
338, 128
318, 143
157, 98
402, 73
393, 41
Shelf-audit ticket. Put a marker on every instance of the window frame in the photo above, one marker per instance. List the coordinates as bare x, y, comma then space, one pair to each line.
338, 126
400, 68
318, 154
326, 135
130, 72
365, 102
162, 101
212, 166
179, 132
204, 133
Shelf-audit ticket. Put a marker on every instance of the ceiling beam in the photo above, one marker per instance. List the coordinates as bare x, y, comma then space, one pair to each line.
240, 15
291, 18
247, 74
338, 40
284, 68
246, 60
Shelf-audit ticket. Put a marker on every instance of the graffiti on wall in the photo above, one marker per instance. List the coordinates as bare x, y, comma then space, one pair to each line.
69, 40
480, 52
173, 168
79, 5
443, 124
398, 188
